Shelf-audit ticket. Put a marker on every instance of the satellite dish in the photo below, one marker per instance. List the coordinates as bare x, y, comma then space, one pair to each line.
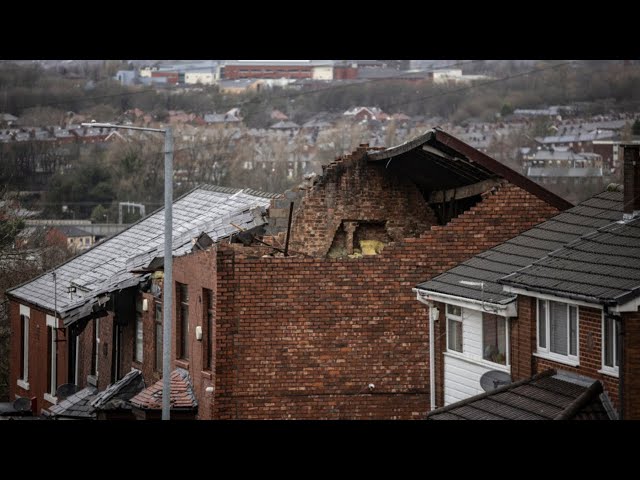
493, 379
22, 404
66, 390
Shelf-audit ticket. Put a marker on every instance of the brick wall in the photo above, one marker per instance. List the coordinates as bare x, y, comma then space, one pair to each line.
631, 366
303, 337
197, 271
38, 342
524, 344
353, 190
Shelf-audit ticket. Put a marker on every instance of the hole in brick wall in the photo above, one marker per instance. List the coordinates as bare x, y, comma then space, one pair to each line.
355, 238
447, 211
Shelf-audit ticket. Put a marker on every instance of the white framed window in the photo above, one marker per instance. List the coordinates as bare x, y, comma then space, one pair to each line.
558, 331
52, 359
454, 328
23, 381
610, 347
495, 339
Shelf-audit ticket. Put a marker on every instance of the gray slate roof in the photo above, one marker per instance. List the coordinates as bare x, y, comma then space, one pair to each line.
77, 405
601, 266
105, 267
71, 231
526, 248
546, 396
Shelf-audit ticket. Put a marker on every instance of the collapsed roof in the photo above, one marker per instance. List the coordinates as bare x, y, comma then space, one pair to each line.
86, 280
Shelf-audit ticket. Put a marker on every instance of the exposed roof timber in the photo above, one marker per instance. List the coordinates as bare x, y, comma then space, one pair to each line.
502, 170
451, 165
463, 192
403, 148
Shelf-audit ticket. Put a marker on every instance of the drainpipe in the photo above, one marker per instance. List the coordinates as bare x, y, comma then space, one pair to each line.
619, 341
433, 316
433, 313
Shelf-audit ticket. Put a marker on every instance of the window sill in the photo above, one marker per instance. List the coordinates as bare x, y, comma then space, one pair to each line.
182, 363
479, 361
92, 380
207, 374
610, 372
23, 384
50, 398
558, 358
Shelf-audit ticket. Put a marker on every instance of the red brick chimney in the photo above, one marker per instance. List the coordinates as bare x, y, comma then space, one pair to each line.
631, 172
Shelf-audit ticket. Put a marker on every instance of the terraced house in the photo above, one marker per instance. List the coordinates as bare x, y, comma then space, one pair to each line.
295, 306
554, 309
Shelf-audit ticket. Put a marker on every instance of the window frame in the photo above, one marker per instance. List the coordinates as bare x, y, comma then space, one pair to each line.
158, 327
606, 369
182, 323
499, 318
545, 352
23, 381
208, 318
138, 351
455, 318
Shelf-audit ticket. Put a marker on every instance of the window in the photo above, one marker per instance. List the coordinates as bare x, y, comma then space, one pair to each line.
52, 355
494, 338
183, 320
24, 345
610, 347
558, 329
454, 328
208, 315
158, 334
138, 345
96, 348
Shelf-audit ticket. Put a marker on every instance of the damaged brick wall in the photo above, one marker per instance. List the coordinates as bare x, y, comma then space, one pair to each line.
304, 337
352, 190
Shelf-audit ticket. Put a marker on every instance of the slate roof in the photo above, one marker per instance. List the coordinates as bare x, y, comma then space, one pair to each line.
602, 266
182, 395
77, 405
546, 396
105, 267
526, 248
117, 394
71, 231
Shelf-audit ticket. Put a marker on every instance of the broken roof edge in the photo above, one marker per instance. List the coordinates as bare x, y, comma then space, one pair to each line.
473, 155
499, 168
212, 188
390, 152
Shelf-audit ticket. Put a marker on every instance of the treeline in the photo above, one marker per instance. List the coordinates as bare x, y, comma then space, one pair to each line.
605, 85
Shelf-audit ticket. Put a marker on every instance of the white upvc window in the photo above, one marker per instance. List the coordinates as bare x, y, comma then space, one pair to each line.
558, 331
610, 347
52, 359
454, 328
23, 381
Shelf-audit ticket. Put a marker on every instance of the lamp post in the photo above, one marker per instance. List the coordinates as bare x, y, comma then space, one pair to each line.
168, 274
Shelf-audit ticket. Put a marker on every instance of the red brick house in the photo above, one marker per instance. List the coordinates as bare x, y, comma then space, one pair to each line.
331, 330
561, 297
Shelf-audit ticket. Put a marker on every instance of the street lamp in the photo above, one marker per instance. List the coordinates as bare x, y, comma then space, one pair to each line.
168, 280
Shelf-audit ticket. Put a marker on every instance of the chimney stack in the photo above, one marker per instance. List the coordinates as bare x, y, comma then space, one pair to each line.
631, 172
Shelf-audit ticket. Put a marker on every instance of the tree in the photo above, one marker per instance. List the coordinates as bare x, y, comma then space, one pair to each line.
635, 129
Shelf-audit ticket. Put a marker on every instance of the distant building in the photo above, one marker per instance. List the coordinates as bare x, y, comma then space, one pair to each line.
76, 239
295, 69
127, 77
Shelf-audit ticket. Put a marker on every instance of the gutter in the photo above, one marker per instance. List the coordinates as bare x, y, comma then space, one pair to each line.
446, 296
